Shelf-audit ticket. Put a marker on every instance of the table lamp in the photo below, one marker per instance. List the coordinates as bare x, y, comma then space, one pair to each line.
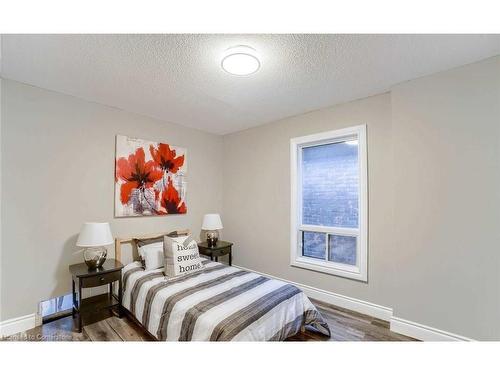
93, 237
211, 223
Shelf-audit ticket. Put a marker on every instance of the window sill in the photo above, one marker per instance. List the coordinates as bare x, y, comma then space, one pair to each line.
350, 272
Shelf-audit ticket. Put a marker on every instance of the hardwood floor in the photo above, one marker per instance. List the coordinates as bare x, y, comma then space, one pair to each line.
345, 325
348, 325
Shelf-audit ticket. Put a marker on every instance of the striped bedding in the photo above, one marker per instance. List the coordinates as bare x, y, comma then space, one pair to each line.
217, 303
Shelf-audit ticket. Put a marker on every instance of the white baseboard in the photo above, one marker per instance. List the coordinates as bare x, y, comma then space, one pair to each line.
19, 324
398, 325
363, 307
423, 332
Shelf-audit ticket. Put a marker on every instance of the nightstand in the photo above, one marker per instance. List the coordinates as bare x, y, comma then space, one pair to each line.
107, 274
222, 248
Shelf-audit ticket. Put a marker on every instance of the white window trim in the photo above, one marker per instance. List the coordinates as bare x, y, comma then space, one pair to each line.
360, 271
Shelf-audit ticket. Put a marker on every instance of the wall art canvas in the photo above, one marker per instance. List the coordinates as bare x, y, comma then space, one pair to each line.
150, 178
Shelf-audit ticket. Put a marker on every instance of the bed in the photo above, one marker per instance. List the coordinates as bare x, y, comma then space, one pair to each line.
216, 303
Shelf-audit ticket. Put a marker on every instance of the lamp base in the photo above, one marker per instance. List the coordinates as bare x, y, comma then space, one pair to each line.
212, 238
94, 257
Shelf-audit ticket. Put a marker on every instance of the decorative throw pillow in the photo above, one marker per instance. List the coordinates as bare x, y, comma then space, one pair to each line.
142, 245
181, 256
152, 248
140, 242
152, 255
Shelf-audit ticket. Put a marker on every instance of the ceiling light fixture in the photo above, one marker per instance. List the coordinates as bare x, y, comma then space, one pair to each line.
240, 61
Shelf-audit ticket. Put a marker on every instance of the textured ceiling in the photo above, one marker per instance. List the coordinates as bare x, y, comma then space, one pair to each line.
177, 78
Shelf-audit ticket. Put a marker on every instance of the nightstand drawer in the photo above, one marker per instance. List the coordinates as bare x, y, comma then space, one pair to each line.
103, 279
223, 251
214, 252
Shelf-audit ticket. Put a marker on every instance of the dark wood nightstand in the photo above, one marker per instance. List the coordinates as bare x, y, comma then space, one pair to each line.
222, 248
110, 272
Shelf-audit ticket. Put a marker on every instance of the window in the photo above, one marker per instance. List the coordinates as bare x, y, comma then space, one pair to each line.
329, 202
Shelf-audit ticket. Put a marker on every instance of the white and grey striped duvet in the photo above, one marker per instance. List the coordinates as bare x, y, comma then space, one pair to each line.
217, 303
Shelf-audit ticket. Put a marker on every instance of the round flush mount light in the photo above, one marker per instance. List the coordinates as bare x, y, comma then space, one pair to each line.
240, 61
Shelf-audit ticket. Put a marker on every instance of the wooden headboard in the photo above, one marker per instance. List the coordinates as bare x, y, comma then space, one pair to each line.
128, 255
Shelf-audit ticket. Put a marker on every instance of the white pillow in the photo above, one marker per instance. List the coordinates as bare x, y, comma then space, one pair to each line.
181, 256
152, 254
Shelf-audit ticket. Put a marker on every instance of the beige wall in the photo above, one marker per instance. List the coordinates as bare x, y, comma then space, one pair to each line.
434, 199
447, 200
257, 195
58, 154
1, 226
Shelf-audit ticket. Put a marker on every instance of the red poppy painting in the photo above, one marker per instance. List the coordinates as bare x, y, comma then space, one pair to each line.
150, 178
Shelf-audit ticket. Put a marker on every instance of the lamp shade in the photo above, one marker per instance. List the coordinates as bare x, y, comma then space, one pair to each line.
211, 222
95, 234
